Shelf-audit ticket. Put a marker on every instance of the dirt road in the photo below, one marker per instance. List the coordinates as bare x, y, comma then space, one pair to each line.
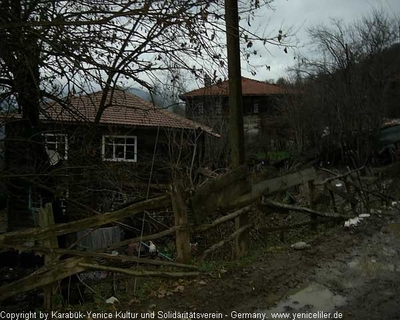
353, 271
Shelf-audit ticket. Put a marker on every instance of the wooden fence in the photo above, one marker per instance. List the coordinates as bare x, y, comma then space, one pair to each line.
233, 192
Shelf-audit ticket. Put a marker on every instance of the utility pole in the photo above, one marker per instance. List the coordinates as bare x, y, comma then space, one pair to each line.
236, 132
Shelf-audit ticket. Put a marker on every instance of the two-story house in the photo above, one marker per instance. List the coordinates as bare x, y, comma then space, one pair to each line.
100, 165
262, 103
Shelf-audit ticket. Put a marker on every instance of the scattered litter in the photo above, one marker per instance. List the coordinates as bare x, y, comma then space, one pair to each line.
300, 245
134, 300
223, 270
152, 247
112, 300
194, 246
114, 253
178, 289
338, 184
162, 255
394, 203
162, 293
352, 222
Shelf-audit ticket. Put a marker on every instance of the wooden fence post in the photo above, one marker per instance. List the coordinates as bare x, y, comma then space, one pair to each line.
313, 216
348, 189
184, 251
333, 200
281, 214
242, 239
46, 218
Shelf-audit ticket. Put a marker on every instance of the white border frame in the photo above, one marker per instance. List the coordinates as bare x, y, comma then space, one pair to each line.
118, 159
57, 135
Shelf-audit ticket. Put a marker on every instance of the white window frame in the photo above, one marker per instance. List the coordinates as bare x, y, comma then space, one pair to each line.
114, 158
256, 107
46, 143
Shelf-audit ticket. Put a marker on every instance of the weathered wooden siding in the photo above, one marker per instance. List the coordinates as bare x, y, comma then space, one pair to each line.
84, 176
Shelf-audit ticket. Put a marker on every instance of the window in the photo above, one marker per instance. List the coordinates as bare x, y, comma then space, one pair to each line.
218, 107
255, 106
199, 108
56, 147
119, 148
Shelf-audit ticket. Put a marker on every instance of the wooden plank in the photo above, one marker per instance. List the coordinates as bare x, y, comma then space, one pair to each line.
42, 277
105, 256
285, 182
275, 185
156, 274
223, 242
277, 205
223, 219
69, 227
219, 193
45, 219
182, 240
144, 238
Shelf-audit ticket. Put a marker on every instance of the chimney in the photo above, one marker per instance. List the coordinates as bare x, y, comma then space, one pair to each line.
207, 81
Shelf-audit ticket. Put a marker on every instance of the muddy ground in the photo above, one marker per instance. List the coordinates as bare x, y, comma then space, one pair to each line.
355, 271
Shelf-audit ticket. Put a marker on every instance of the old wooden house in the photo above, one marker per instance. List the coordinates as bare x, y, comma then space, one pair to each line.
131, 148
261, 107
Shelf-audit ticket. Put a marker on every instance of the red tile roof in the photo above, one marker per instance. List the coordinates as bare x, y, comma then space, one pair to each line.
250, 87
123, 108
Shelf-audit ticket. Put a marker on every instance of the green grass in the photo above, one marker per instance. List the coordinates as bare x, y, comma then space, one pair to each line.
272, 156
275, 156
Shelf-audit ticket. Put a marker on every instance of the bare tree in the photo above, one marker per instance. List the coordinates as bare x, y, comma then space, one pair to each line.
52, 49
345, 81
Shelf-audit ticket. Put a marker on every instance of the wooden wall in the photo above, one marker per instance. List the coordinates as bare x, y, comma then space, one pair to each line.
85, 177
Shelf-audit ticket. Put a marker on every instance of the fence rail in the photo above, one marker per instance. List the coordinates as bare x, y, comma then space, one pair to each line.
233, 191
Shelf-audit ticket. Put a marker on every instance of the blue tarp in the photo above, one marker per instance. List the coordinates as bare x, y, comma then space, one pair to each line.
389, 136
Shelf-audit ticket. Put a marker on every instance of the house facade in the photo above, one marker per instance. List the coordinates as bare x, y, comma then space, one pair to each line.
135, 148
261, 107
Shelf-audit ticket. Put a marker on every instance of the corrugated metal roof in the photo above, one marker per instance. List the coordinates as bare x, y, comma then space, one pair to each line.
122, 108
250, 87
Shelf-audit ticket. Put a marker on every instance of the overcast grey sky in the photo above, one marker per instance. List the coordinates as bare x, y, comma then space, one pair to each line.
302, 14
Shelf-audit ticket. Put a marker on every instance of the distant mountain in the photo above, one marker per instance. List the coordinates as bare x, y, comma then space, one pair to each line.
160, 101
145, 95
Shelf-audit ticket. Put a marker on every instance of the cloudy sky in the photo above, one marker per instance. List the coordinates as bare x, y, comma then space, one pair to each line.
302, 14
